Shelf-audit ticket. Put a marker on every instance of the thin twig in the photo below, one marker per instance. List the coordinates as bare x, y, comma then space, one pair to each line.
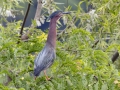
25, 37
95, 43
24, 20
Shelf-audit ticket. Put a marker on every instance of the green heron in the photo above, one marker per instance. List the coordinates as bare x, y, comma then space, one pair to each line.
46, 57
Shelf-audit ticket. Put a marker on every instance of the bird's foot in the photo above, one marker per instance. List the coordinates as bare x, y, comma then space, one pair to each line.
48, 79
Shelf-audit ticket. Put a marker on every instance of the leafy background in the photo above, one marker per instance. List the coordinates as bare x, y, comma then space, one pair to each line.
78, 65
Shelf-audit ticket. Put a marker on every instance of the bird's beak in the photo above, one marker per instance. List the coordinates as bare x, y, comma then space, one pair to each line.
65, 12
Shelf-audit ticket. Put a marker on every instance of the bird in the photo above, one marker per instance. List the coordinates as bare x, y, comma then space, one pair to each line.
47, 55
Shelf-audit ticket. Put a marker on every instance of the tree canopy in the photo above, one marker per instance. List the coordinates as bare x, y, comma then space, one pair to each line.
84, 48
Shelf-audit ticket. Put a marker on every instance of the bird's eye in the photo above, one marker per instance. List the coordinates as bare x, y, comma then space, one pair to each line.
56, 16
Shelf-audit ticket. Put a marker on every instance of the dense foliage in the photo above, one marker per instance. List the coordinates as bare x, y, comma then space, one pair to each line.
79, 65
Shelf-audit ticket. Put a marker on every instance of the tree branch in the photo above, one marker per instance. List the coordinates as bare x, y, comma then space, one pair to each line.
115, 56
95, 43
38, 11
37, 16
21, 31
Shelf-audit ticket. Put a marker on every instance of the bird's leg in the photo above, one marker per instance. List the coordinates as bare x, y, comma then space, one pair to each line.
35, 77
46, 75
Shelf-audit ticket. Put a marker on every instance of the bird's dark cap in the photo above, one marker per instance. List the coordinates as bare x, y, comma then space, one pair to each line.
55, 13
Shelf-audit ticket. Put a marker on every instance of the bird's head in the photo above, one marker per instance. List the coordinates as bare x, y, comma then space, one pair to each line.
57, 15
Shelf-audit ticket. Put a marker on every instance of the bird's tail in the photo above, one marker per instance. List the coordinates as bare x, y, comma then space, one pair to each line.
37, 72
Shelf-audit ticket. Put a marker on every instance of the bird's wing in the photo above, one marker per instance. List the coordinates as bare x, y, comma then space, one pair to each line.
44, 59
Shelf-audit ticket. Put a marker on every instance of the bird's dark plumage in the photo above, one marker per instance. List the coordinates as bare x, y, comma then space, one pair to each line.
44, 59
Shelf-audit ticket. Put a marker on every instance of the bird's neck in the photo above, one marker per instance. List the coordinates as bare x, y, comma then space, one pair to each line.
51, 39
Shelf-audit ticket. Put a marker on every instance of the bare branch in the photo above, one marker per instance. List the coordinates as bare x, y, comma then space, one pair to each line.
115, 56
38, 11
95, 43
21, 31
25, 37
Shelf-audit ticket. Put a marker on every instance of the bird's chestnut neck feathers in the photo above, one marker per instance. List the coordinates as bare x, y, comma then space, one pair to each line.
51, 39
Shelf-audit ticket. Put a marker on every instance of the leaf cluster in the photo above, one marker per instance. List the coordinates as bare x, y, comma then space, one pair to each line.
78, 65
